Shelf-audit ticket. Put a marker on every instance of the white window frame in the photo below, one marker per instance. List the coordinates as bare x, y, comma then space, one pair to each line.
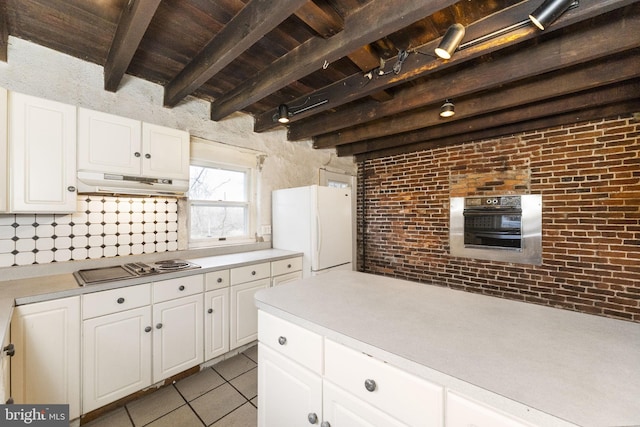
233, 159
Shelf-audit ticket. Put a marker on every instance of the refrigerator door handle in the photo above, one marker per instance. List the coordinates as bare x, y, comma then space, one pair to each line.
318, 234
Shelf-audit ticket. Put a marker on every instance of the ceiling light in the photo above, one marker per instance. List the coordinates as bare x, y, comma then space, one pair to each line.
549, 11
283, 113
450, 41
447, 109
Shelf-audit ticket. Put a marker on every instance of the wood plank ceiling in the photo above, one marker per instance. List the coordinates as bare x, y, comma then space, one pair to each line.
359, 76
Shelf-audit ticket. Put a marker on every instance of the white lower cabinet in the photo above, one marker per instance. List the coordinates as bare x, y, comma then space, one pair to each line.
46, 365
463, 412
6, 352
289, 395
116, 356
342, 409
178, 336
216, 323
245, 282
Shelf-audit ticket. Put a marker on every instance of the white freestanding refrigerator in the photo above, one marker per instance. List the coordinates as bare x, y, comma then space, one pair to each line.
315, 220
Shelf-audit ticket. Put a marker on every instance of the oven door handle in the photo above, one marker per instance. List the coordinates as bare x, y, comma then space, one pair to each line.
491, 212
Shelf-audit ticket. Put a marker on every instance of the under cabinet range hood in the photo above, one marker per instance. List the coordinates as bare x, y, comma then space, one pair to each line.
108, 183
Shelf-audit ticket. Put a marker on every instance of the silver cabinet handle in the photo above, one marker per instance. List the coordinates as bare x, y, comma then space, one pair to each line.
159, 326
325, 424
288, 265
120, 300
210, 311
282, 340
370, 385
10, 350
71, 189
312, 417
219, 280
253, 273
136, 154
181, 288
147, 156
147, 329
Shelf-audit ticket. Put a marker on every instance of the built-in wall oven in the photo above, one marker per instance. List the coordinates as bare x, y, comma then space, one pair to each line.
501, 228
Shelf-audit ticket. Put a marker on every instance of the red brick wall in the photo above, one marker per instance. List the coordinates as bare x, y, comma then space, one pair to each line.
589, 178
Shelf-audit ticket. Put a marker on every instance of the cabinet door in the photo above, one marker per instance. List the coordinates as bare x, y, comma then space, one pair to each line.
287, 393
46, 366
286, 278
462, 412
108, 143
42, 146
116, 356
5, 389
216, 323
342, 409
244, 314
178, 337
4, 151
165, 152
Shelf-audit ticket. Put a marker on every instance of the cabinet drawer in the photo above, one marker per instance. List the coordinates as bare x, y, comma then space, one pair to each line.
165, 290
250, 272
216, 280
412, 400
462, 412
115, 300
299, 344
285, 266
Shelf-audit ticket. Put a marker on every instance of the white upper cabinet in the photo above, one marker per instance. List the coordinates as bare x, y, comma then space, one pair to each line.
108, 143
42, 151
165, 152
4, 161
117, 145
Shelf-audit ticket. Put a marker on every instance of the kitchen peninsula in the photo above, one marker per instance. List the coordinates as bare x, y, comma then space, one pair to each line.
523, 363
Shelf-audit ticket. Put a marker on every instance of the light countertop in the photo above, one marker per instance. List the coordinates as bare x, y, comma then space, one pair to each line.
581, 368
54, 286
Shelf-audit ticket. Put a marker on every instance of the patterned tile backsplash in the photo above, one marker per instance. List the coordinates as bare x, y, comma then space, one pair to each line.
101, 227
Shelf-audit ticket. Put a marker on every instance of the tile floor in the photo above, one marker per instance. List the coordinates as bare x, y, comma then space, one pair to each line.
224, 395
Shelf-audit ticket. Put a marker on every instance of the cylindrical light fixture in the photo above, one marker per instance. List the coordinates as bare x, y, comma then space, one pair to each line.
283, 113
447, 109
450, 41
548, 12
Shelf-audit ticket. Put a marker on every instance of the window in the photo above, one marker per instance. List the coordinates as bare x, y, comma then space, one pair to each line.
219, 204
224, 186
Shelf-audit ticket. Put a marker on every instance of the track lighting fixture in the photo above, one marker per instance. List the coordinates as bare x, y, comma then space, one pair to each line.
283, 113
447, 109
450, 41
549, 11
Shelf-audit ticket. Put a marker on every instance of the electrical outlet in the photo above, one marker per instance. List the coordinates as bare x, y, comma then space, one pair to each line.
265, 229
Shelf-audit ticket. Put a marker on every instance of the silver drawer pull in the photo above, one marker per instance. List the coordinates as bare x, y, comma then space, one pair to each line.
120, 300
147, 329
253, 273
159, 326
288, 265
210, 311
370, 385
313, 418
325, 424
181, 288
219, 280
282, 340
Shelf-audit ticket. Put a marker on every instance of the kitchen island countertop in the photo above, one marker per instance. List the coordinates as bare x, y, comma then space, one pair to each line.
581, 368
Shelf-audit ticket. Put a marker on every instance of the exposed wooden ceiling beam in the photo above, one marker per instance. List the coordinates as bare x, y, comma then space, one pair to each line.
355, 87
133, 23
255, 20
323, 20
627, 91
326, 22
367, 24
549, 55
612, 110
4, 32
592, 75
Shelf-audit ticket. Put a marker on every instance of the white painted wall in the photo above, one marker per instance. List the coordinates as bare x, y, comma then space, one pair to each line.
42, 72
